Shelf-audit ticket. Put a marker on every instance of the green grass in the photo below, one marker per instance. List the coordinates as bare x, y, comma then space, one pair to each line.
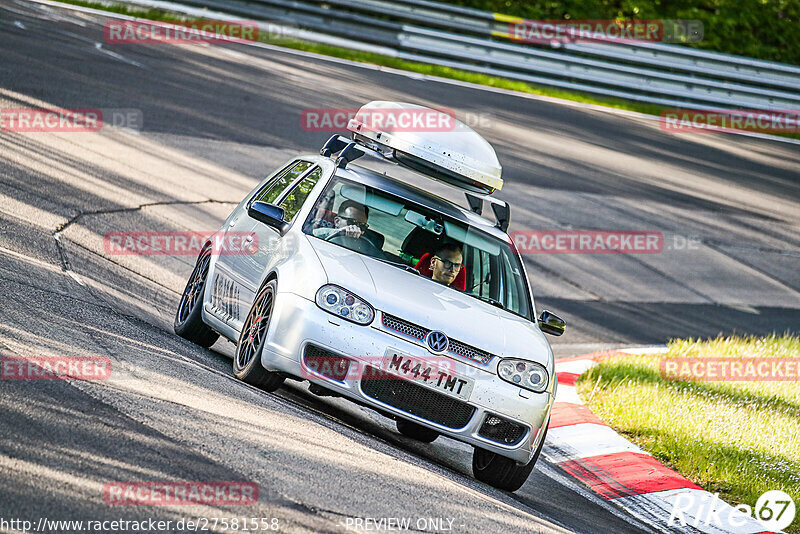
736, 438
420, 68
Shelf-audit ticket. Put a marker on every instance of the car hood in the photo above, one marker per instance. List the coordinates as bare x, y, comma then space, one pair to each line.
419, 300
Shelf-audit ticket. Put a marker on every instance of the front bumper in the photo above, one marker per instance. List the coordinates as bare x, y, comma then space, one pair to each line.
297, 322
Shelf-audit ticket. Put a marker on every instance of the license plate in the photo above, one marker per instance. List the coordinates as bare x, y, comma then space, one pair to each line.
435, 375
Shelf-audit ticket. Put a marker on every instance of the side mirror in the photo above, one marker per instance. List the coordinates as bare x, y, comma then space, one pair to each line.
552, 324
269, 214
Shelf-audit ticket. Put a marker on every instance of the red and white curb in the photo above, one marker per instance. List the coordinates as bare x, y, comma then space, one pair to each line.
622, 473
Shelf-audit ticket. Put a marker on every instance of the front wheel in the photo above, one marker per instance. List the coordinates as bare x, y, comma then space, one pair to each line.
189, 317
247, 360
501, 472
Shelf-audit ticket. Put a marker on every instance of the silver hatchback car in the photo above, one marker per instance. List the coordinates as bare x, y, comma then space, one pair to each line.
386, 294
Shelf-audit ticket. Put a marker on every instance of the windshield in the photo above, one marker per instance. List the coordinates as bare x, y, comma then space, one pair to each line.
449, 252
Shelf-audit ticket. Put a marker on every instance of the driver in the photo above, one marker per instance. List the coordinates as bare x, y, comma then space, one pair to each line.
351, 221
446, 263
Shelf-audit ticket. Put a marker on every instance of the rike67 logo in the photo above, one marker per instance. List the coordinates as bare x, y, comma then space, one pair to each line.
774, 511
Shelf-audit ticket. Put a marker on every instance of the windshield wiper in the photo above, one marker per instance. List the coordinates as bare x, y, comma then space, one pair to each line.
490, 300
403, 266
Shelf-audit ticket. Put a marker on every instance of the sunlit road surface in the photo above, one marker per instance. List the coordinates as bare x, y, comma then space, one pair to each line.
216, 120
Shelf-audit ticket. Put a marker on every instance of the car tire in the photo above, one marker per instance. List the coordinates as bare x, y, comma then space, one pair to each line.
416, 432
247, 359
189, 317
501, 472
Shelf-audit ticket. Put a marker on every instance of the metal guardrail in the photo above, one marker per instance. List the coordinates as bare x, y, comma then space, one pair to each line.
457, 18
478, 41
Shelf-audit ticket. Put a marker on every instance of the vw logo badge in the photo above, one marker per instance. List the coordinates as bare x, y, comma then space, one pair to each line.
437, 341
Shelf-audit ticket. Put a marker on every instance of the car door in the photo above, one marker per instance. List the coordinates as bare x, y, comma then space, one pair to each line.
237, 271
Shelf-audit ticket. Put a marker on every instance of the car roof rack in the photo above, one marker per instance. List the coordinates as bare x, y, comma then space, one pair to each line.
475, 202
350, 153
502, 212
350, 150
347, 149
500, 208
333, 145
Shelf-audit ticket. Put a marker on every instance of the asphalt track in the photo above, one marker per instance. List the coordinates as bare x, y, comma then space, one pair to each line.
218, 118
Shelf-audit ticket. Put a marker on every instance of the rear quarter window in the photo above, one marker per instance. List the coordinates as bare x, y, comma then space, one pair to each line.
273, 190
295, 199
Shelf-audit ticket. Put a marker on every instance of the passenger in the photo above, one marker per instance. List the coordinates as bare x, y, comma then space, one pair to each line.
351, 221
446, 263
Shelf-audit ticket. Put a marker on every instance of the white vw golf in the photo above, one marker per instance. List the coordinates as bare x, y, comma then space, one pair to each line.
386, 294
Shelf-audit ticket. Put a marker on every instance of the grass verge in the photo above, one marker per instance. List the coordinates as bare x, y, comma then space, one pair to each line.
736, 438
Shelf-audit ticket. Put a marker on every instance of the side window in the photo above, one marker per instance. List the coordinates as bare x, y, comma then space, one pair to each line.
274, 189
294, 200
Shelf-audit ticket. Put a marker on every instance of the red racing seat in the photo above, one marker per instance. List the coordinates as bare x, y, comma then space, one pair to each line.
424, 267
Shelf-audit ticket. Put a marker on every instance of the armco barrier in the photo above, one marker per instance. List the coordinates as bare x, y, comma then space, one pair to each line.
477, 41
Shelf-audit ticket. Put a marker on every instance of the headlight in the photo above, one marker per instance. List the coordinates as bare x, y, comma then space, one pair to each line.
342, 303
522, 373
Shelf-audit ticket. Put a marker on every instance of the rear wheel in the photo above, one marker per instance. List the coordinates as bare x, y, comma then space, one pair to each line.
189, 317
247, 360
501, 472
415, 431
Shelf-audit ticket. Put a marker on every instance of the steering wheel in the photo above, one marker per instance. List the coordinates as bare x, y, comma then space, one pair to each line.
335, 233
359, 244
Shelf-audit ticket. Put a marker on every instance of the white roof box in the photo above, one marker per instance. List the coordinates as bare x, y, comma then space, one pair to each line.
429, 141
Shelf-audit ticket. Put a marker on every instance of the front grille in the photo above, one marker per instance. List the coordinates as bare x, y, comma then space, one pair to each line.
415, 399
404, 327
419, 332
501, 430
326, 363
467, 351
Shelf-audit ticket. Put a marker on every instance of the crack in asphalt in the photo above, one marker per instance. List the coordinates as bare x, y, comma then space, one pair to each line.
62, 253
